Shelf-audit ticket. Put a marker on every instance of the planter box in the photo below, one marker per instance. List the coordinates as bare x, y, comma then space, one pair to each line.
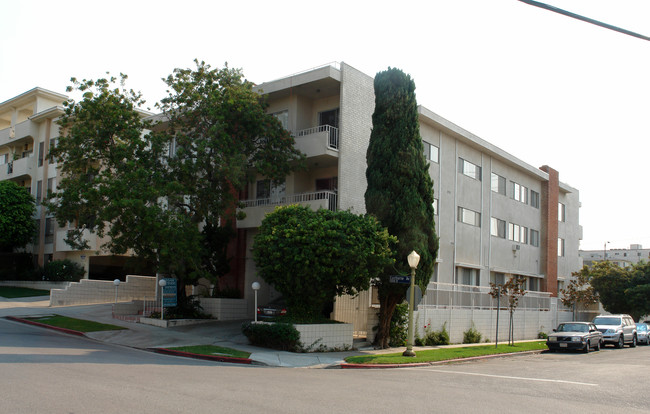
168, 323
325, 337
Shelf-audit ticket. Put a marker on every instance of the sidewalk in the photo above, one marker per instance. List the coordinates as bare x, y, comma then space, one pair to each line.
221, 333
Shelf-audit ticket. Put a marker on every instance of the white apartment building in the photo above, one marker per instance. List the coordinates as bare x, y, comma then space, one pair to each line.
622, 257
28, 130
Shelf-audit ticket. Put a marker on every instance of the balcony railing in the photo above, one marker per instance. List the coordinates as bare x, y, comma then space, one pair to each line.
330, 196
333, 133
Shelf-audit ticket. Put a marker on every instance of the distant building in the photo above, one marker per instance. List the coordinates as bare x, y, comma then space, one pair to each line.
622, 257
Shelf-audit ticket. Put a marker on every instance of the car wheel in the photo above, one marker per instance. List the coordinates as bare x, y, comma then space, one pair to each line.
620, 342
587, 347
633, 344
598, 346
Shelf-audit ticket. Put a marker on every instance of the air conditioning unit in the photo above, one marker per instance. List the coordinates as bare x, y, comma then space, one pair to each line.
516, 247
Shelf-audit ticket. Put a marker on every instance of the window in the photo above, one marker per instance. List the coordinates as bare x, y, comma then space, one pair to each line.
283, 117
498, 227
469, 169
498, 184
517, 233
49, 230
39, 192
4, 158
519, 192
51, 185
435, 206
268, 192
560, 247
469, 217
533, 284
497, 278
534, 238
53, 143
431, 152
41, 150
561, 212
467, 276
534, 199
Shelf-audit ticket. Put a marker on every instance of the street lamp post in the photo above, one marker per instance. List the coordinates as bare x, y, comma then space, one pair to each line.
413, 259
162, 283
116, 282
256, 286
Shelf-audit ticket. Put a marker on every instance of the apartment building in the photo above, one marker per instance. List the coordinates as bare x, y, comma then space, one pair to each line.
28, 130
496, 215
622, 257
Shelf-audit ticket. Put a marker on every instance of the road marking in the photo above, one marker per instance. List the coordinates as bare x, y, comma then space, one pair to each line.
506, 377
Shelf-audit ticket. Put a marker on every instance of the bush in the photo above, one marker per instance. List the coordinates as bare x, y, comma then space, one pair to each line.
542, 335
63, 271
440, 337
282, 336
398, 326
188, 307
472, 336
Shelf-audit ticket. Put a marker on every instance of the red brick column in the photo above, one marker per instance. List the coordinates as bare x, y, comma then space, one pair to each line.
549, 209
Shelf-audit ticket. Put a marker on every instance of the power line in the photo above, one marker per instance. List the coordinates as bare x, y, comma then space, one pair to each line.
584, 19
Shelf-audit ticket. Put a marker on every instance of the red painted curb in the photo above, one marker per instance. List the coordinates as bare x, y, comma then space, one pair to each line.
447, 361
199, 356
42, 325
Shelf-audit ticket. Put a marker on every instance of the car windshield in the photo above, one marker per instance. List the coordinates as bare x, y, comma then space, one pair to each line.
641, 326
572, 327
607, 321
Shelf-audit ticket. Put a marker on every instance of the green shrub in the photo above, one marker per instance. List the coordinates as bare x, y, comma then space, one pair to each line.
63, 271
472, 336
398, 326
282, 336
440, 337
542, 335
188, 307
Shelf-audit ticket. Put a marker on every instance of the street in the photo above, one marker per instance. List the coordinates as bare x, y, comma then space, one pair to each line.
48, 372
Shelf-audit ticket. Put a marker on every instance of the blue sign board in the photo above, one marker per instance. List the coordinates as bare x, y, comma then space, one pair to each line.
400, 279
169, 293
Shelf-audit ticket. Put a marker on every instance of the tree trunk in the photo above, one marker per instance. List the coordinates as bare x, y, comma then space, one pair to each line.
511, 334
387, 307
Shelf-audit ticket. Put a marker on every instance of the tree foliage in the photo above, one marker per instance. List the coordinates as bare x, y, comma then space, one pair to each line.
513, 290
313, 256
579, 293
400, 190
17, 207
622, 290
161, 188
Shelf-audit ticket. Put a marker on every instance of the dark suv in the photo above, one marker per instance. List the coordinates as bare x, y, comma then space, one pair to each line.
617, 329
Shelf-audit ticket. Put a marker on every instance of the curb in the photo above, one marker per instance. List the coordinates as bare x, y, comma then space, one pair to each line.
433, 363
42, 325
216, 358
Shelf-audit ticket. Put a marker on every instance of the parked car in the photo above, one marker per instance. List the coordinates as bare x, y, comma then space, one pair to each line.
275, 308
617, 329
582, 336
643, 333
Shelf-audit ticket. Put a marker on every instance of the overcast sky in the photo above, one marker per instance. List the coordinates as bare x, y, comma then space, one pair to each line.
546, 88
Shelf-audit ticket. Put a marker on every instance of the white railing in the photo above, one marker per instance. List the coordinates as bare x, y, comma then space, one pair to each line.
330, 196
333, 132
448, 295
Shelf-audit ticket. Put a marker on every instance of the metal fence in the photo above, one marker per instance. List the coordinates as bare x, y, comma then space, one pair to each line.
330, 196
333, 132
447, 295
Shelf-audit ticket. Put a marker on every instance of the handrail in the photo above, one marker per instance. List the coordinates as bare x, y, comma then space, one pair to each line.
293, 199
333, 132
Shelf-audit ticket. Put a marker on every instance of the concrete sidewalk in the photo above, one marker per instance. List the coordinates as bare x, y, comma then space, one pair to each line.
222, 333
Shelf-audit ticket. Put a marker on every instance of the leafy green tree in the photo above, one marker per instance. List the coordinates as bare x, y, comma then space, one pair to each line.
579, 292
313, 256
17, 207
610, 282
160, 189
400, 190
512, 291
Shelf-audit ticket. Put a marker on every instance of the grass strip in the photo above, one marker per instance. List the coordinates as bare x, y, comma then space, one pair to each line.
444, 354
75, 324
11, 292
212, 350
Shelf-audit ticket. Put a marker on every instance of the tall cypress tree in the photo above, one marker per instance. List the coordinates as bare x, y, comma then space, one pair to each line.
400, 190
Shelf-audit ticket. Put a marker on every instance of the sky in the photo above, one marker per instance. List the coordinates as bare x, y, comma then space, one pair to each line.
546, 88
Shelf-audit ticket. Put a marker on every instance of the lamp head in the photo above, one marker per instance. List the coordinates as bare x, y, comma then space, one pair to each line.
413, 259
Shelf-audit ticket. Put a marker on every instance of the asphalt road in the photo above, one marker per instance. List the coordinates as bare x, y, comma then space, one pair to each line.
42, 371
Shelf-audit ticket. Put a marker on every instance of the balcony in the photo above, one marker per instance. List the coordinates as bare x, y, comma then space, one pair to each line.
20, 168
21, 131
321, 141
257, 209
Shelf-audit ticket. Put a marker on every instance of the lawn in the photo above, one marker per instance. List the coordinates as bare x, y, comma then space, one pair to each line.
21, 292
444, 354
75, 324
212, 350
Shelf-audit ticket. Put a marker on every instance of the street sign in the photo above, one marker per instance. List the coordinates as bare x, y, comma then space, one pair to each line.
169, 293
406, 280
417, 298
